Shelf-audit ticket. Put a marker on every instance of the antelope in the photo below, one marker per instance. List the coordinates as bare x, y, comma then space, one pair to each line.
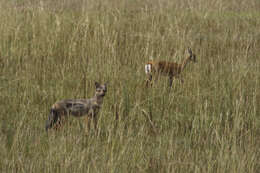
77, 108
166, 68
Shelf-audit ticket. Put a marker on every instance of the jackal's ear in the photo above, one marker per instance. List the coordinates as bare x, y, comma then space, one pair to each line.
97, 84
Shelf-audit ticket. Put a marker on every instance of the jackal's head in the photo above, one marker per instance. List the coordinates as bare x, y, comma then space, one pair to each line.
100, 89
192, 57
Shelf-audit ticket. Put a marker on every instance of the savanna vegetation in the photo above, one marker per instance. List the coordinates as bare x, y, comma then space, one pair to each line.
51, 50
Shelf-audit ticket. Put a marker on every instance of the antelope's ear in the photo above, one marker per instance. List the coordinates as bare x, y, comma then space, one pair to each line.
97, 84
189, 50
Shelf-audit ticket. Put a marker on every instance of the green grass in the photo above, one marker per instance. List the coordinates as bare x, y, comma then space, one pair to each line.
55, 50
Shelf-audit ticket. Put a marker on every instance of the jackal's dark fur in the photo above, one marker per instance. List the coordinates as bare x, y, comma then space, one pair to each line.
77, 108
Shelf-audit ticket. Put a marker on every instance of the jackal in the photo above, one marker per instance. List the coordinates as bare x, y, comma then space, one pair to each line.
77, 108
166, 68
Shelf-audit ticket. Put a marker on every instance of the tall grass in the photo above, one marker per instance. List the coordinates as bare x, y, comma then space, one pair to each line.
51, 50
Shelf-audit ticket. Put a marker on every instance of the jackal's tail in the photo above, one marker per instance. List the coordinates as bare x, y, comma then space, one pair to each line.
52, 120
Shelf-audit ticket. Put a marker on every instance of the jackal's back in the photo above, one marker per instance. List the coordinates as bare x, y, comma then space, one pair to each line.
75, 107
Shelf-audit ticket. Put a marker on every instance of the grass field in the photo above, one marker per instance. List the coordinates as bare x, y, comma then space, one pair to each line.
51, 50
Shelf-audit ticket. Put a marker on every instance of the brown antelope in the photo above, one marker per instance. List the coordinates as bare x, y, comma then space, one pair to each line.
77, 108
166, 68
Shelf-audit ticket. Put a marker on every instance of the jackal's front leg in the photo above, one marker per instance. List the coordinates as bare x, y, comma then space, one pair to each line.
87, 124
170, 81
180, 79
95, 120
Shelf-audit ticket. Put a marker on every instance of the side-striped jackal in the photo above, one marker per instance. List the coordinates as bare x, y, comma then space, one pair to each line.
77, 108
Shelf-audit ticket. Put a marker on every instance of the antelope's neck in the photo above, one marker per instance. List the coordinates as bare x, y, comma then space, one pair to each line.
184, 64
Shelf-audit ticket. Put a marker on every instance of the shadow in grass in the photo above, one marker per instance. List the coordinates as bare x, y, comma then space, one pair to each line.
9, 133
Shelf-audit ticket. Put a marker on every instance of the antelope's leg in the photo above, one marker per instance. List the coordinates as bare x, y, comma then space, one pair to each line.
156, 76
149, 80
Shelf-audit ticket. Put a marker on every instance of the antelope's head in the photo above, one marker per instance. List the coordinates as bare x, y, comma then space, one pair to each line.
191, 57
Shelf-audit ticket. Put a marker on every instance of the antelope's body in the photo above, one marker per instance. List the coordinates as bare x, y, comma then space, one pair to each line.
166, 68
77, 108
163, 67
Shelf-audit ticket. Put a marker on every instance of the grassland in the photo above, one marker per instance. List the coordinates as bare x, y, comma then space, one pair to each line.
51, 50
